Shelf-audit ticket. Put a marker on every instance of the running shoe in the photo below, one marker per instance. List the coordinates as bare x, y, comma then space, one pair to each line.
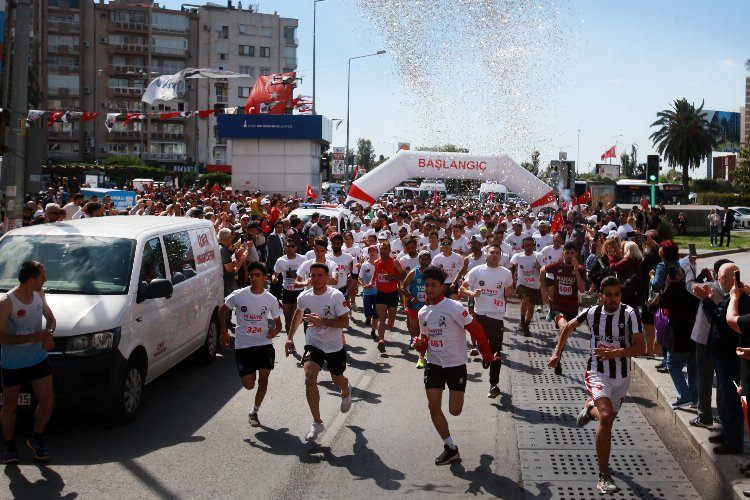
41, 452
474, 352
558, 368
368, 321
448, 455
11, 457
315, 429
583, 416
420, 363
606, 484
680, 404
697, 422
374, 335
381, 346
346, 402
494, 392
252, 418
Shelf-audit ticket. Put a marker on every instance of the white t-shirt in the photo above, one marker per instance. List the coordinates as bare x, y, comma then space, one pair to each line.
70, 210
542, 241
492, 283
358, 235
471, 231
408, 263
396, 227
515, 242
310, 254
528, 268
461, 245
252, 316
471, 262
355, 251
551, 254
288, 269
396, 246
303, 271
451, 265
343, 263
443, 324
328, 305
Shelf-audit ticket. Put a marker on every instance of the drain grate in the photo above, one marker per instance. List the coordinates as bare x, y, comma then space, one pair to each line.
574, 355
549, 378
569, 366
570, 465
565, 415
533, 394
557, 438
574, 491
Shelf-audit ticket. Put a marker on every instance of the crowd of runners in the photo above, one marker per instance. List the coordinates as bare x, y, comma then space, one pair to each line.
449, 267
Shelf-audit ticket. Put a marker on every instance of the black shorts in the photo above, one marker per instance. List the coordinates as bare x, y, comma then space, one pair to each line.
251, 359
336, 360
389, 299
13, 377
344, 290
436, 377
290, 296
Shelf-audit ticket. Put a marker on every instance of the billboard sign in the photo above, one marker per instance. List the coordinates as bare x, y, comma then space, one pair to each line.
728, 124
609, 171
338, 162
312, 127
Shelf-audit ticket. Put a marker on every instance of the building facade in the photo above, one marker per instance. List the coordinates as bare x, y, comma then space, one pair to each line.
746, 113
244, 41
101, 56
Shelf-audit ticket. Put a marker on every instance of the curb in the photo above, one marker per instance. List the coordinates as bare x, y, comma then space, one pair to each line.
718, 253
724, 468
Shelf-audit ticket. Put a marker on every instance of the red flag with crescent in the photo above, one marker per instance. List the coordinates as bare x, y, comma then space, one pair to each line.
310, 192
272, 94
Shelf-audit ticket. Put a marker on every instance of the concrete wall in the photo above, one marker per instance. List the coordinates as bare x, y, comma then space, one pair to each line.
282, 166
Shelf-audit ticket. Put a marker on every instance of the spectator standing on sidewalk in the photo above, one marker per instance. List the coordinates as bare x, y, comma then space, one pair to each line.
650, 260
727, 221
714, 223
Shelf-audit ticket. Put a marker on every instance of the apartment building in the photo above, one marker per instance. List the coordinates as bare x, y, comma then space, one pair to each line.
245, 41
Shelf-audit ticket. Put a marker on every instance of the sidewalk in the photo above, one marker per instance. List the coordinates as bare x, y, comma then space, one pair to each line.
724, 468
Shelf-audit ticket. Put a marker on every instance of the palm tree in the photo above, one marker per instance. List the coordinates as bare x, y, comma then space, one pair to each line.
685, 138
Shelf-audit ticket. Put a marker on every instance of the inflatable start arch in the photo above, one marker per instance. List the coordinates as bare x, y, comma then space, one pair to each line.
431, 165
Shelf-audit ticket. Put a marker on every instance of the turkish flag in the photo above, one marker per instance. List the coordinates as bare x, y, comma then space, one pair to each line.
356, 171
310, 192
214, 190
54, 116
557, 223
585, 198
272, 94
88, 116
167, 116
205, 113
610, 153
129, 117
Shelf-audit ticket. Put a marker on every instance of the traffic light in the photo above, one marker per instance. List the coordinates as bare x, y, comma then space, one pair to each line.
566, 173
324, 162
652, 169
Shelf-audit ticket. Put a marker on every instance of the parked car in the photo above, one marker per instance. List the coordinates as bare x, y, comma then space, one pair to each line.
133, 296
741, 216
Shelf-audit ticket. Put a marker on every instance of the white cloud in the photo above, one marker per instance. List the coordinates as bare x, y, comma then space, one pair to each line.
726, 63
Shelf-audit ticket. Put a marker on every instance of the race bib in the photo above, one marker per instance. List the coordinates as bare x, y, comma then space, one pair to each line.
565, 289
384, 278
255, 330
421, 296
529, 280
498, 303
436, 344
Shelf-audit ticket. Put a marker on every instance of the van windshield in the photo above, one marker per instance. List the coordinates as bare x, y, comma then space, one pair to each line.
75, 264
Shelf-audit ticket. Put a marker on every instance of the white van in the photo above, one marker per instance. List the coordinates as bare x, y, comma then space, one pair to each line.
132, 296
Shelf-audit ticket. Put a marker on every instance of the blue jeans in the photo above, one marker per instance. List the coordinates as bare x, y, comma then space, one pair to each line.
368, 304
730, 409
676, 361
714, 235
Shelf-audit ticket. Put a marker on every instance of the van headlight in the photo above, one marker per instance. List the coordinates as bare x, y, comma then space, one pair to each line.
93, 343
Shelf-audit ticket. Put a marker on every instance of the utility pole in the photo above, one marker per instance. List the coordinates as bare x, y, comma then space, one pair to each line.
12, 174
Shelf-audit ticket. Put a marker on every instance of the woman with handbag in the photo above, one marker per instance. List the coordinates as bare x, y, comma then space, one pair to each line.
668, 266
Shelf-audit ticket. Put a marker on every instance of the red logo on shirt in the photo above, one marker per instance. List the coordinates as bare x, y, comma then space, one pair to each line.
21, 313
465, 314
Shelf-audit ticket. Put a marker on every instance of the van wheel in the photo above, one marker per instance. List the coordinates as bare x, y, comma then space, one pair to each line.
130, 394
207, 353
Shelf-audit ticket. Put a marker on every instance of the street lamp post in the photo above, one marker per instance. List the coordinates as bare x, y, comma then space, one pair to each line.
348, 93
315, 5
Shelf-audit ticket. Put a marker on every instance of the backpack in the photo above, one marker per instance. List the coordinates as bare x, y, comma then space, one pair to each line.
631, 286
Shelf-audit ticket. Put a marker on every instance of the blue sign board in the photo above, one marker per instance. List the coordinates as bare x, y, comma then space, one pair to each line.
122, 200
312, 127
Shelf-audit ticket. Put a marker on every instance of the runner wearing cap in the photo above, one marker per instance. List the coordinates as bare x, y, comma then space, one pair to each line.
413, 289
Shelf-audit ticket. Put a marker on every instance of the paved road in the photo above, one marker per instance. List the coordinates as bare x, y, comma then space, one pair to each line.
192, 439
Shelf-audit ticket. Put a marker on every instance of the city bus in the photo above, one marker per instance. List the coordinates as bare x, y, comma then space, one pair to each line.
428, 187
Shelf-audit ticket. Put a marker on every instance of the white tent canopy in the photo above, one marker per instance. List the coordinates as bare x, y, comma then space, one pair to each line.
408, 164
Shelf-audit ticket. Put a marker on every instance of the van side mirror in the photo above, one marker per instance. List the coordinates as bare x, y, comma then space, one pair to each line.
157, 289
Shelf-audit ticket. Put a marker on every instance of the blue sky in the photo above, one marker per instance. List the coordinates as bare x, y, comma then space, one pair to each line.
624, 61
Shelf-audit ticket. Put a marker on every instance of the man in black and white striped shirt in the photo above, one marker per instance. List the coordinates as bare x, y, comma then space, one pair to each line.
616, 336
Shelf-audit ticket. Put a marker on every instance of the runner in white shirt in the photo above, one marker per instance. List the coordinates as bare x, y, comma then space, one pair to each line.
253, 340
355, 250
460, 242
552, 253
433, 244
543, 237
324, 311
515, 239
344, 264
303, 271
285, 269
409, 258
442, 322
357, 233
451, 263
487, 284
526, 266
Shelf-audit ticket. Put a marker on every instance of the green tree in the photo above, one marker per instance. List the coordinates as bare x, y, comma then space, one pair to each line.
629, 162
533, 165
684, 138
381, 159
123, 161
747, 65
365, 154
741, 175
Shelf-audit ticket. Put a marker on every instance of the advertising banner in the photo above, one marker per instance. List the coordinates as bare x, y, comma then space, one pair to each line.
338, 162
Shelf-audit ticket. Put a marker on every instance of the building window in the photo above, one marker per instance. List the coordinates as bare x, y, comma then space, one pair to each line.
290, 35
248, 70
224, 33
265, 52
265, 71
248, 29
222, 57
243, 91
248, 50
266, 31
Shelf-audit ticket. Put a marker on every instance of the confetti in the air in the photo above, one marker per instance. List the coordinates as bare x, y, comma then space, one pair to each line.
477, 73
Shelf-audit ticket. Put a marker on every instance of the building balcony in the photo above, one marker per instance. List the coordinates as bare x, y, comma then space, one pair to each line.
124, 91
290, 62
71, 135
156, 49
60, 69
164, 28
64, 155
129, 48
158, 134
117, 69
291, 41
62, 49
166, 157
63, 27
114, 26
133, 135
163, 70
62, 91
